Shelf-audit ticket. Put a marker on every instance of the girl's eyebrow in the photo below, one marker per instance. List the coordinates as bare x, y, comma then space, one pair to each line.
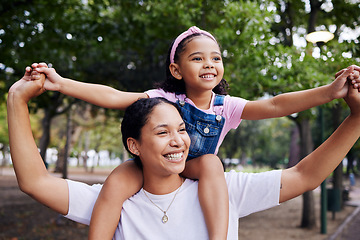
196, 53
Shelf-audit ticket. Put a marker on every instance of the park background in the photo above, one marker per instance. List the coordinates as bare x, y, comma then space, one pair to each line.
124, 44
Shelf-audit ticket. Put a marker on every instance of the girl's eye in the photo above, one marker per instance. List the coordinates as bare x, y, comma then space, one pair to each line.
197, 58
217, 58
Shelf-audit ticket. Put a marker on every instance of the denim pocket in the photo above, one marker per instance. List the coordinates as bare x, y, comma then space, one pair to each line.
204, 138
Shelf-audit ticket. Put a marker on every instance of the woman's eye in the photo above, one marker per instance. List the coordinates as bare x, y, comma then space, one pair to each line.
161, 132
182, 130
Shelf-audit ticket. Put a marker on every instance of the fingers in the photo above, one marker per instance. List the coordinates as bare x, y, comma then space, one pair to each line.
339, 72
357, 68
355, 79
345, 73
353, 76
36, 65
44, 70
33, 72
35, 75
27, 71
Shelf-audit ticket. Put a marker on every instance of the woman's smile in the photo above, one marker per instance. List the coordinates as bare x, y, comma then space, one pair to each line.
175, 157
164, 143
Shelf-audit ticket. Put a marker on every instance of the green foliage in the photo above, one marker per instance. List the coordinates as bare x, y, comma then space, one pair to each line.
124, 44
265, 142
4, 137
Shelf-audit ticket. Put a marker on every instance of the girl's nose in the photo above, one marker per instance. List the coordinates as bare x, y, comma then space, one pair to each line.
208, 64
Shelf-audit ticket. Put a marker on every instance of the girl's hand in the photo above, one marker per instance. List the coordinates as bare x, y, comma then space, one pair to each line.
53, 79
339, 87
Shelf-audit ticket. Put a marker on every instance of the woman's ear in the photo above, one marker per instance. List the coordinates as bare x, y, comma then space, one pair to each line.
175, 71
132, 145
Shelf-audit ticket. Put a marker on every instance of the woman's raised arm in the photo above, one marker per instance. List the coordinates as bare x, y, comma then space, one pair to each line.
313, 169
32, 176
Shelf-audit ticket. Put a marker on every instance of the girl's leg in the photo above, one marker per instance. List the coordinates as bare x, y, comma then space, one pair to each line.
213, 193
121, 184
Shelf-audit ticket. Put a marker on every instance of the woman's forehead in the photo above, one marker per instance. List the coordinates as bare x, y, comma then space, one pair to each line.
164, 113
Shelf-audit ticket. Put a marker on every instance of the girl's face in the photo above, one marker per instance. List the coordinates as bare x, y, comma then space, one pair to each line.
200, 65
164, 143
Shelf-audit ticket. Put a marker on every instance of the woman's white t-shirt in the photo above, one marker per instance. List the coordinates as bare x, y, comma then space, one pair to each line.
140, 219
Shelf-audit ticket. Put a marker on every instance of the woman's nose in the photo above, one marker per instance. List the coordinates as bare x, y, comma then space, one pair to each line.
177, 141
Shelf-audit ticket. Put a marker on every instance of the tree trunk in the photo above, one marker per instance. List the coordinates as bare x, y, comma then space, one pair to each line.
308, 219
338, 172
45, 138
72, 136
294, 155
60, 161
350, 164
86, 149
315, 8
5, 155
67, 144
306, 147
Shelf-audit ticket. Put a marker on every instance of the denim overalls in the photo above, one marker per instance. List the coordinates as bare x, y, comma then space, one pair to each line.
204, 129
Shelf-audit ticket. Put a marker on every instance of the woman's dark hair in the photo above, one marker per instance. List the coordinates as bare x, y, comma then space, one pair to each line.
135, 118
172, 84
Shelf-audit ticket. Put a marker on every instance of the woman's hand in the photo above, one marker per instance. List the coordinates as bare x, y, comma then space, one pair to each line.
353, 97
26, 88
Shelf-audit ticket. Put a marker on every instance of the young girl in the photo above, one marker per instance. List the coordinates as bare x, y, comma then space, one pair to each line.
195, 81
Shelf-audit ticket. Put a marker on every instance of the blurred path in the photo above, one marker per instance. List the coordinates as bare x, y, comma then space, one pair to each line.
350, 228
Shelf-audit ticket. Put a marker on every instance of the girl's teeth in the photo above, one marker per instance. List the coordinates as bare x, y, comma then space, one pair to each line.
207, 76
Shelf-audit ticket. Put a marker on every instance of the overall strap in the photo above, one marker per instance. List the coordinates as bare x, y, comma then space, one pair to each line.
219, 100
219, 104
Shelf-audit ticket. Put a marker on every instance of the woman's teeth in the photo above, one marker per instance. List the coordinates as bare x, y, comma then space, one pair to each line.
174, 156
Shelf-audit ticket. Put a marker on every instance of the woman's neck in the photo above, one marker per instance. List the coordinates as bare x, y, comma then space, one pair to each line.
162, 185
201, 100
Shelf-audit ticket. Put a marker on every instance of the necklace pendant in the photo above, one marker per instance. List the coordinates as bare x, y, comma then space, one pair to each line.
165, 218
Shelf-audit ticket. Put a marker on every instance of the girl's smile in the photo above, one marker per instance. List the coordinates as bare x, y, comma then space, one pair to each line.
200, 65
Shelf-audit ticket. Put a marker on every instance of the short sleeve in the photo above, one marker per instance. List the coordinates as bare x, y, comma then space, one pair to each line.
161, 93
233, 109
253, 192
82, 198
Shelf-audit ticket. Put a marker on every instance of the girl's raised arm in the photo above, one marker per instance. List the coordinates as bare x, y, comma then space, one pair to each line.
293, 102
313, 169
32, 176
96, 94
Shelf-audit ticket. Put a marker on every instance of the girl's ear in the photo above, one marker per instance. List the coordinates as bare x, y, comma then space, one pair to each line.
175, 71
132, 145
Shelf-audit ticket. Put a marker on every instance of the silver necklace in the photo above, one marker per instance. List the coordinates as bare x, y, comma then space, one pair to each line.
165, 218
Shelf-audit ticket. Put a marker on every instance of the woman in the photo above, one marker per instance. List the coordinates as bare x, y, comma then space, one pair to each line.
167, 207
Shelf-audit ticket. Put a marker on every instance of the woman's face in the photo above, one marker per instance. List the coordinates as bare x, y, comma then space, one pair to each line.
164, 143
